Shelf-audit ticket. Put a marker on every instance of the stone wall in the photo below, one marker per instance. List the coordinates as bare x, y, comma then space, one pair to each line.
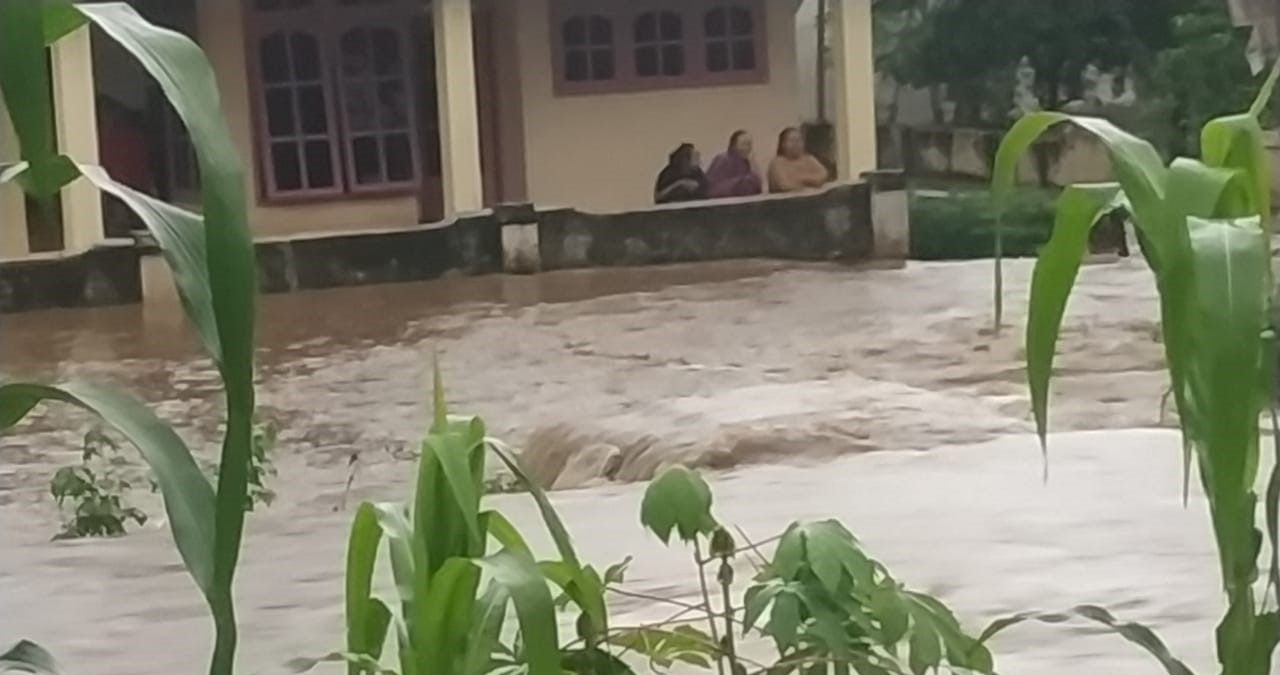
105, 275
846, 223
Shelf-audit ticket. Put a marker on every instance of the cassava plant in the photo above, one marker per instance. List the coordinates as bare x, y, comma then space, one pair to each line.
97, 489
830, 608
210, 256
1204, 226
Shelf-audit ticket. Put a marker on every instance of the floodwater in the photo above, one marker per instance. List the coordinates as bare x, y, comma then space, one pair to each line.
781, 379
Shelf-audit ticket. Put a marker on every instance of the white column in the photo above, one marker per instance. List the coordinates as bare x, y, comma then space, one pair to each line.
459, 117
13, 210
76, 120
854, 88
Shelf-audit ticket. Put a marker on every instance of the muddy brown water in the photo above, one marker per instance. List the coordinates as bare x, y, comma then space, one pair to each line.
780, 379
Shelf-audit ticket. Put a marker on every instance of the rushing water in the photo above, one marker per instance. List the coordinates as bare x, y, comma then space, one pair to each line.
782, 377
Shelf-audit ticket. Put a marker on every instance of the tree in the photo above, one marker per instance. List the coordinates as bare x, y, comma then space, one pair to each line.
973, 46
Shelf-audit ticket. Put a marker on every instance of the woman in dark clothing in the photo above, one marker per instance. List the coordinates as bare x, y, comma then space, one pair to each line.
681, 180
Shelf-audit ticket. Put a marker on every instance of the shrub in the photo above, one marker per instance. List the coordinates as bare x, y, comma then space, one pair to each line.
97, 489
960, 224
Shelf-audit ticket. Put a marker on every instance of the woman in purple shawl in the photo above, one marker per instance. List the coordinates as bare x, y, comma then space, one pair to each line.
733, 173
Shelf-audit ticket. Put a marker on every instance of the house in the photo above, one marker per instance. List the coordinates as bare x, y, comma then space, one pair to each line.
374, 114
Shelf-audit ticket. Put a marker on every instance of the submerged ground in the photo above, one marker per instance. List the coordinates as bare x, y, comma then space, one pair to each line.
782, 378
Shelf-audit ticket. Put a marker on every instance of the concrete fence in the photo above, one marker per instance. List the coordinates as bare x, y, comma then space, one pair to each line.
845, 223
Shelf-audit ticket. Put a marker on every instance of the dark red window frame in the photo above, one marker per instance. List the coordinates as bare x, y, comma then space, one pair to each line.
694, 44
327, 21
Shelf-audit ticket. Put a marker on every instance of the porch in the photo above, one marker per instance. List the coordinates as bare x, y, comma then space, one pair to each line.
370, 114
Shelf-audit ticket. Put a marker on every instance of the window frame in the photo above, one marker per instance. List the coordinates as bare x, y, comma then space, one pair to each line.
623, 14
327, 20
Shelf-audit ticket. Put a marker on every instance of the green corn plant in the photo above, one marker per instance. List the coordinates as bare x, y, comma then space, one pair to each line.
452, 589
209, 255
1204, 226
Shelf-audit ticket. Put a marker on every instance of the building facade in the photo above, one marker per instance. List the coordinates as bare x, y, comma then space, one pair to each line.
375, 114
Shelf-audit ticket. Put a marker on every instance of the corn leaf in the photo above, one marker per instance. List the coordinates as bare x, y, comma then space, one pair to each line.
28, 657
212, 258
188, 496
1229, 308
1135, 633
1080, 207
367, 618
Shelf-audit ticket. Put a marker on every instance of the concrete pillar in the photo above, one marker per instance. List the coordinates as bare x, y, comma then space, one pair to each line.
76, 120
459, 117
890, 214
13, 210
853, 87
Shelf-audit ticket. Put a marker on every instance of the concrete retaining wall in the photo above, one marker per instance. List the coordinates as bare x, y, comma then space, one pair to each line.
846, 223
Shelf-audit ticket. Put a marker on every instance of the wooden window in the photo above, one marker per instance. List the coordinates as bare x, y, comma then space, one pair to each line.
606, 47
377, 106
731, 39
335, 97
301, 155
588, 48
659, 44
181, 171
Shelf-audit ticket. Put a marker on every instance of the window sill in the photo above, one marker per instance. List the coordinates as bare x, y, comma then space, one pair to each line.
286, 200
565, 89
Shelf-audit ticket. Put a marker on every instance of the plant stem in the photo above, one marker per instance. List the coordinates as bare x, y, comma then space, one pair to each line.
706, 599
726, 580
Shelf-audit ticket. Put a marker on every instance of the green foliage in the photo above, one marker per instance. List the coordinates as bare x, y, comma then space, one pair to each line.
210, 256
678, 499
960, 224
28, 657
1204, 226
827, 601
453, 592
1203, 74
1059, 38
262, 466
825, 605
98, 489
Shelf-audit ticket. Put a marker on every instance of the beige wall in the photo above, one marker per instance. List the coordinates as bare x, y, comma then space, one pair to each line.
222, 36
602, 152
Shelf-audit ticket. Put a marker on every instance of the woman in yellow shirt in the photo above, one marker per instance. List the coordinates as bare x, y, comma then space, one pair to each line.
793, 169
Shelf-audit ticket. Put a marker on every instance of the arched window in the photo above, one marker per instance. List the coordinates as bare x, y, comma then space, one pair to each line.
377, 107
588, 45
336, 96
300, 152
731, 39
659, 44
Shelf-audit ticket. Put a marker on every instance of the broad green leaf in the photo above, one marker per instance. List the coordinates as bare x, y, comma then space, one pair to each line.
756, 600
364, 614
28, 657
534, 607
443, 616
189, 84
505, 533
784, 620
486, 629
188, 496
1080, 207
1136, 165
458, 484
680, 500
399, 535
925, 648
1137, 634
559, 533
